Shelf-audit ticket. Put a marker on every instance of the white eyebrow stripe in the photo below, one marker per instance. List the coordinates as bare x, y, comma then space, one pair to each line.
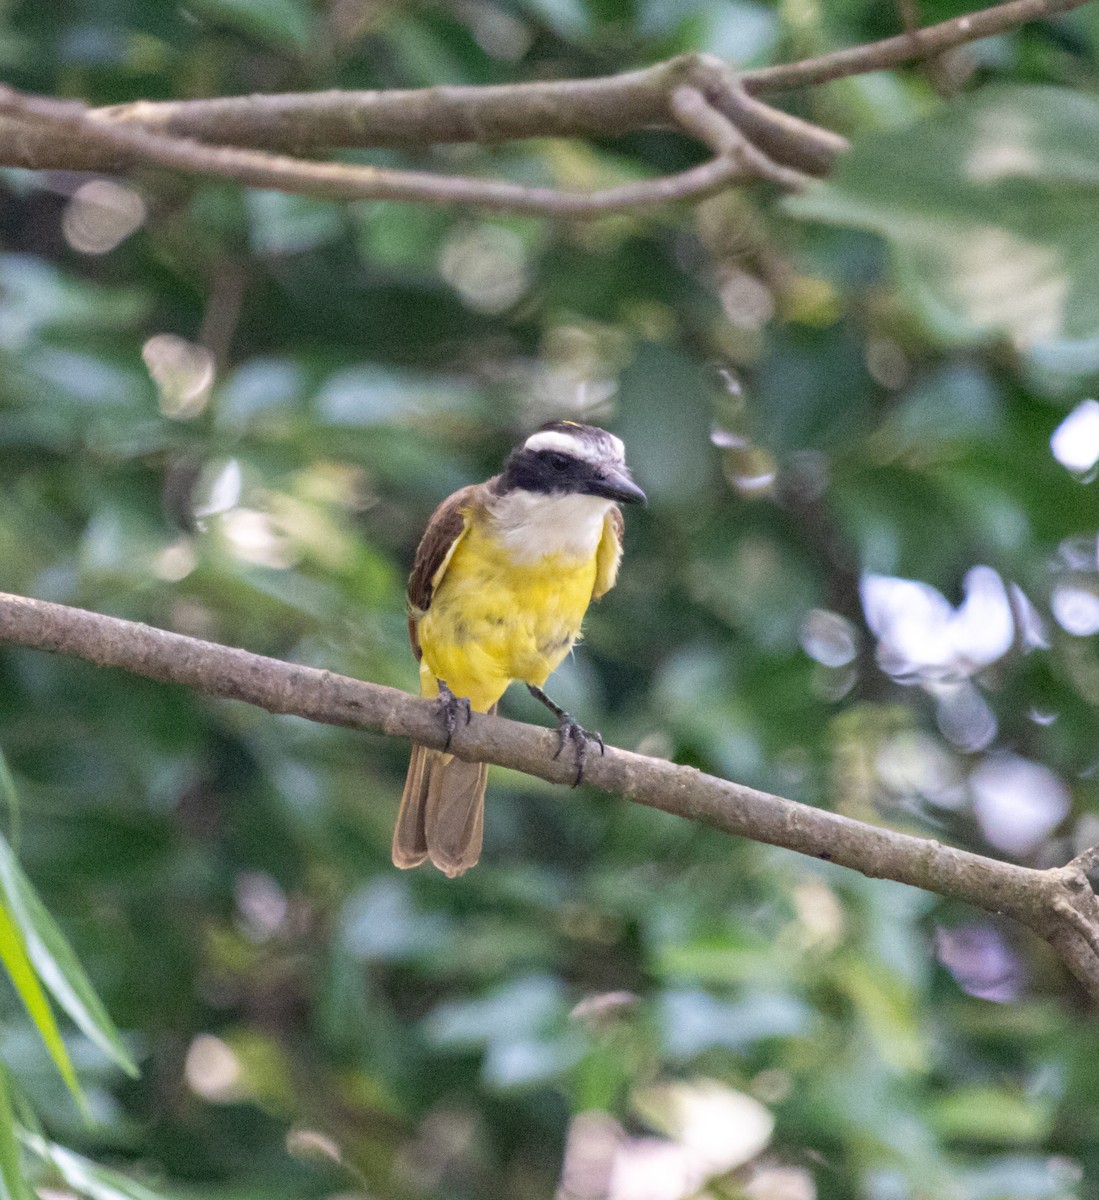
566, 443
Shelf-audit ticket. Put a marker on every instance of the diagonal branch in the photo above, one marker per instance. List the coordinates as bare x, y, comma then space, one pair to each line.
1056, 903
905, 47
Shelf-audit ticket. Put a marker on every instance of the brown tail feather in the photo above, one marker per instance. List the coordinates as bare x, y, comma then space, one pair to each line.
409, 837
442, 812
454, 816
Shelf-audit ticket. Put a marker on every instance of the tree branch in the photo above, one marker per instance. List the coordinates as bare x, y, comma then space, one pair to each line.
603, 107
1058, 904
73, 122
300, 123
232, 137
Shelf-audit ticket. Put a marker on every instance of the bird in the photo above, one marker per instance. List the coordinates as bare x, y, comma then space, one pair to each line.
500, 583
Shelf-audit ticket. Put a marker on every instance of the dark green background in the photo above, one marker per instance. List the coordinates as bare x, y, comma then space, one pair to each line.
898, 345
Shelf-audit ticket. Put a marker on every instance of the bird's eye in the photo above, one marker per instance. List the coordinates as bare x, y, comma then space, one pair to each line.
559, 462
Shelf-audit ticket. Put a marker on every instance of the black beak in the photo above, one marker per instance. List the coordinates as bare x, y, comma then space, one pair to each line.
616, 484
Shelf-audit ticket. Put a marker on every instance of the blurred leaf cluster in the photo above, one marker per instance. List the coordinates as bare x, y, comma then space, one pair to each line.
868, 578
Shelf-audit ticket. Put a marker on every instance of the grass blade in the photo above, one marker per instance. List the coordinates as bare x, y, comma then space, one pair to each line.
53, 958
13, 954
13, 1183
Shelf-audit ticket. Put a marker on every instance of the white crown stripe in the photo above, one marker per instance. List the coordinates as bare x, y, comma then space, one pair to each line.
577, 445
566, 443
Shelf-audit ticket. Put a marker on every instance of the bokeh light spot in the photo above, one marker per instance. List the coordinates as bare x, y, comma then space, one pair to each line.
212, 1070
1076, 609
183, 373
1075, 442
486, 266
100, 216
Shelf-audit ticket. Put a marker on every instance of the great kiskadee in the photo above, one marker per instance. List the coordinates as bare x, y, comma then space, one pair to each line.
502, 578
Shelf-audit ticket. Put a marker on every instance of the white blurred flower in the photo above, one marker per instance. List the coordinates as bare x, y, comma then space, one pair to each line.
710, 1130
721, 1128
918, 630
255, 538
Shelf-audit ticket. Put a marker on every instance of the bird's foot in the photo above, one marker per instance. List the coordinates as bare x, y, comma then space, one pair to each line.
569, 730
450, 706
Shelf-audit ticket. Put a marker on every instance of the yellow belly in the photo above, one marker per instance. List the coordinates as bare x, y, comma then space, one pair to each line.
492, 621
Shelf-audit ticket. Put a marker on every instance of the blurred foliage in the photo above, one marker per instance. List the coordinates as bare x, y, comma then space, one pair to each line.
867, 579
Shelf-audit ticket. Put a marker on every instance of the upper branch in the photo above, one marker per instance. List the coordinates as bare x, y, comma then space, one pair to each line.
72, 122
1058, 903
604, 107
712, 120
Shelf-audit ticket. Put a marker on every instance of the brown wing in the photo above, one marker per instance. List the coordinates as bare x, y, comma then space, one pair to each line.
444, 531
609, 553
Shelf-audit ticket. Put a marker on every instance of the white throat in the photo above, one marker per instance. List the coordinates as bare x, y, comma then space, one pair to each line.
533, 525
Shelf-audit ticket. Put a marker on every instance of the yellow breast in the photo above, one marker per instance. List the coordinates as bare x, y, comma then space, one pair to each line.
493, 619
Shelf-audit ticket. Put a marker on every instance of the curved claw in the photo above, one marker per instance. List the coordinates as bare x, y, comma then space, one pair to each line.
569, 730
449, 708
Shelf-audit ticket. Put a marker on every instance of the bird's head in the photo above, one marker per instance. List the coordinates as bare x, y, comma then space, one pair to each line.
567, 458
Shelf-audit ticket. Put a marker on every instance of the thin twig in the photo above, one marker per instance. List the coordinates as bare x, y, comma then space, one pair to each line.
905, 47
1085, 862
909, 13
788, 139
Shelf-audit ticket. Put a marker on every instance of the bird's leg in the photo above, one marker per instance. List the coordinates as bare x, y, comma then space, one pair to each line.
449, 708
569, 730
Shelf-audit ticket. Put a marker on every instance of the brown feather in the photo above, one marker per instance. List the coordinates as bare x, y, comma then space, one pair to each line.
445, 527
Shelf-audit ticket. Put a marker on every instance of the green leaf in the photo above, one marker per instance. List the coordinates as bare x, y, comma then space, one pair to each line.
993, 1114
13, 954
992, 210
13, 1184
287, 24
54, 961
